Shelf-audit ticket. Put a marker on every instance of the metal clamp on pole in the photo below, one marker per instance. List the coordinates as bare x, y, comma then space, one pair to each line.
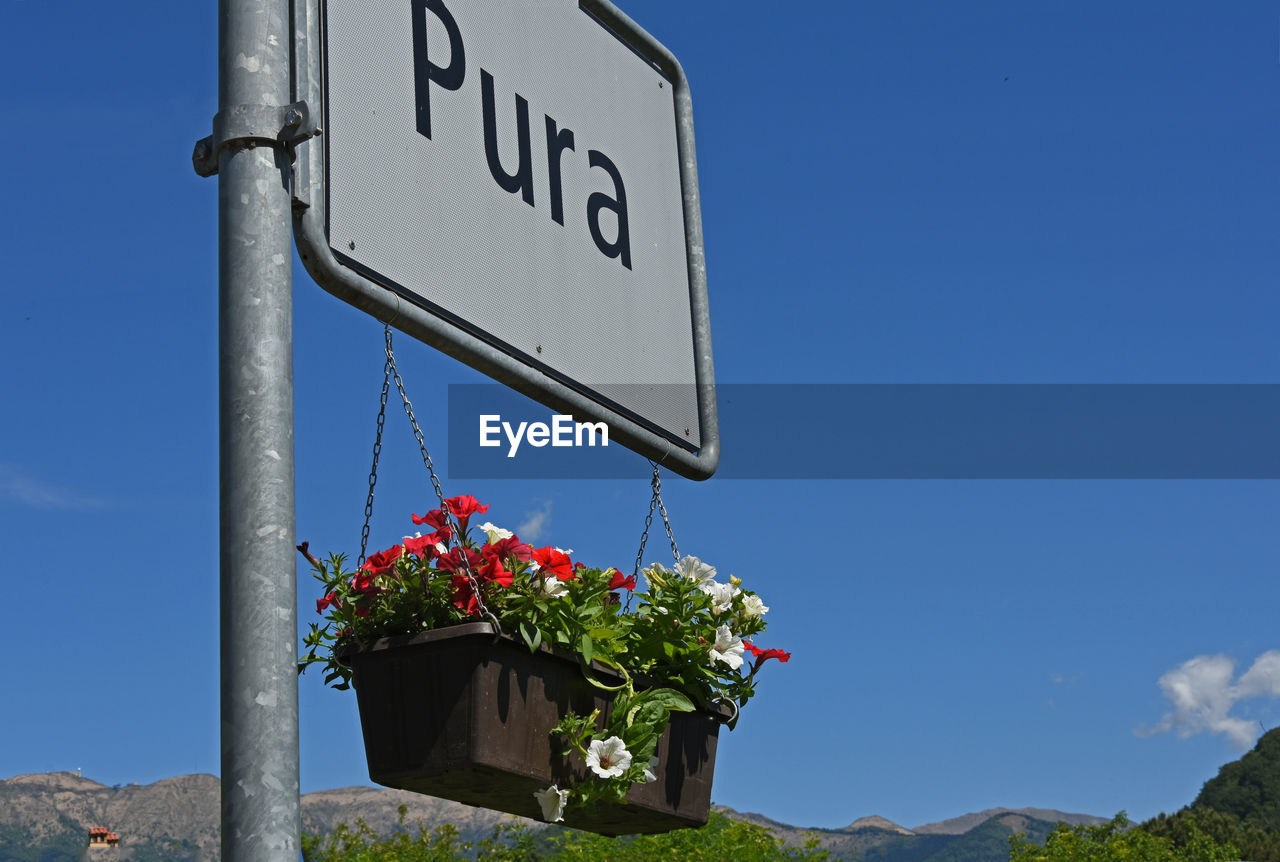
253, 124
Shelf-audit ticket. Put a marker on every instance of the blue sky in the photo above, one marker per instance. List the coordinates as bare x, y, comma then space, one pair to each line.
892, 193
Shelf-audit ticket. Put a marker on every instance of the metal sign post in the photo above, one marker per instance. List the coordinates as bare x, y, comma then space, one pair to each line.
259, 691
572, 270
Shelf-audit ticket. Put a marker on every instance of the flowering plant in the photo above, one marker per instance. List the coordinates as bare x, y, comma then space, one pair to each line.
687, 632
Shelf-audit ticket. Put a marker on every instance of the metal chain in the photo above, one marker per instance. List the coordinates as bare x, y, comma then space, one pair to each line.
413, 421
644, 537
373, 471
450, 518
655, 502
666, 522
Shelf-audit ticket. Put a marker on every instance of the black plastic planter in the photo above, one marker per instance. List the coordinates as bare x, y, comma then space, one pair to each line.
456, 714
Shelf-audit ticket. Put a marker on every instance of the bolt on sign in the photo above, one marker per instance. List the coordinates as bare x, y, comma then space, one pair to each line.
514, 182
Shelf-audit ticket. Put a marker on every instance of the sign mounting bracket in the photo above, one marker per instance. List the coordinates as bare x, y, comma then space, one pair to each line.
286, 125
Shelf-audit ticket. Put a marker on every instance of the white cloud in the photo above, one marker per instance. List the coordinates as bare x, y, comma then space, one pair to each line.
1203, 691
37, 494
1263, 679
531, 529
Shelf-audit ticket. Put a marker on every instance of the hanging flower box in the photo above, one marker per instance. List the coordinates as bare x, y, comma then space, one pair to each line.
456, 714
579, 710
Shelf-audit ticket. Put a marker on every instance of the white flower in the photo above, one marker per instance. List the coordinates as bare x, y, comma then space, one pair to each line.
552, 587
656, 575
495, 534
552, 800
752, 606
608, 758
721, 595
651, 771
563, 551
695, 570
727, 648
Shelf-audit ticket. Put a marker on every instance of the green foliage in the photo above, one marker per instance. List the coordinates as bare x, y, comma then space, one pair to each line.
720, 840
1115, 842
1248, 788
362, 844
1254, 843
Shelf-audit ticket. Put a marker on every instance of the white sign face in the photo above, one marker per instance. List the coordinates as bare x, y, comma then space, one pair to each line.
512, 166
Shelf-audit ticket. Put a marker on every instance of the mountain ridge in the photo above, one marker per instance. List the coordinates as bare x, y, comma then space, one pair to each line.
179, 818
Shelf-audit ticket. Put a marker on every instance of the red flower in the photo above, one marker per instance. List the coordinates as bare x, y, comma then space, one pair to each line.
424, 547
362, 582
628, 583
464, 507
495, 573
762, 655
362, 610
435, 518
453, 561
330, 599
553, 562
464, 597
383, 562
505, 549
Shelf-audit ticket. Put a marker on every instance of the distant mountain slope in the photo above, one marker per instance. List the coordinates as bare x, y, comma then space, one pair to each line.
174, 819
877, 822
323, 810
985, 835
46, 818
179, 819
961, 825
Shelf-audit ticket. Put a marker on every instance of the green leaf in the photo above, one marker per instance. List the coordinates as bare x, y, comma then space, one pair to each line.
671, 699
587, 649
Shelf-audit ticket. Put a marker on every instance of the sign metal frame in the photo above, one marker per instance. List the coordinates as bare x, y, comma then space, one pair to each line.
508, 367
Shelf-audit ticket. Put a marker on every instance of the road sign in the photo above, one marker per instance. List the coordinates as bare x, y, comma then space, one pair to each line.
514, 182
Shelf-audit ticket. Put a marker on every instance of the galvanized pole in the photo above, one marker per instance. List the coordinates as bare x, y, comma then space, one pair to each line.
260, 805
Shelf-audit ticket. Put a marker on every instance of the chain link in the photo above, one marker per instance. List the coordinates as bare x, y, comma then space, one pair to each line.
450, 518
666, 522
655, 502
644, 537
373, 471
413, 422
